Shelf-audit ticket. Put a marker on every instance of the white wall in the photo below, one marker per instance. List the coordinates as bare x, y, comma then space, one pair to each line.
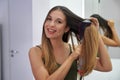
91, 6
40, 9
77, 6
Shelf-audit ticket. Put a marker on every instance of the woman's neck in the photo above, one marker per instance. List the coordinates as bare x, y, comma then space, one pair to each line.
60, 50
57, 43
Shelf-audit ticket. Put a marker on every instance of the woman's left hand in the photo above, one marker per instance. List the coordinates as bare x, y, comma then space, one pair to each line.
95, 22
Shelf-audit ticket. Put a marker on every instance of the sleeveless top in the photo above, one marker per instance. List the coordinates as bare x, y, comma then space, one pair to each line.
72, 73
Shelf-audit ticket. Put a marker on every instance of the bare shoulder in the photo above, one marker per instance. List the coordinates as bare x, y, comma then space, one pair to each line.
35, 52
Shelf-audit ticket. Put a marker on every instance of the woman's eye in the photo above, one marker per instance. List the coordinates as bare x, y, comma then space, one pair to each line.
59, 22
49, 19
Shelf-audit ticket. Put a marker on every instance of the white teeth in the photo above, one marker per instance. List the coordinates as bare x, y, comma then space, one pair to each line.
51, 30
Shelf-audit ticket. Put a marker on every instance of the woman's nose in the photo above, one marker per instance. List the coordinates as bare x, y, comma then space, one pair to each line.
52, 23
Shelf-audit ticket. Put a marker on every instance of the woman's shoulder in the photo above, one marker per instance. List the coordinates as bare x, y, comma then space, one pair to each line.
35, 51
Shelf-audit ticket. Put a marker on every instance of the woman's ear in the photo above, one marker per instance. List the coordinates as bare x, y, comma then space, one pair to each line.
67, 29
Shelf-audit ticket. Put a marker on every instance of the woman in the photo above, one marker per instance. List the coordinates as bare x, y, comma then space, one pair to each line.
110, 36
56, 59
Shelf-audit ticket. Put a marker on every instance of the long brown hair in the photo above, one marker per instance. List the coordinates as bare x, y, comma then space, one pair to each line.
89, 49
89, 42
47, 49
104, 25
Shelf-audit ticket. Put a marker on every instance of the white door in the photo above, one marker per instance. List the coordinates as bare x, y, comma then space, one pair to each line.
20, 23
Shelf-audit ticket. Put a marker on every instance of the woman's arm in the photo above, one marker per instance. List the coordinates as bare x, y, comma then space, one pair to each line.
39, 70
115, 41
103, 61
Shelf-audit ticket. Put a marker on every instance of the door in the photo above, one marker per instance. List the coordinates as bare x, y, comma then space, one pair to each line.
0, 51
20, 25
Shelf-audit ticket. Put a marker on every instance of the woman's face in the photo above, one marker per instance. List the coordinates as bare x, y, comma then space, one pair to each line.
55, 25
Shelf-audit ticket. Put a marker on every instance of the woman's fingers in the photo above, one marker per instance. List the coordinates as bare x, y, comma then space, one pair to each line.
77, 52
78, 49
111, 23
95, 22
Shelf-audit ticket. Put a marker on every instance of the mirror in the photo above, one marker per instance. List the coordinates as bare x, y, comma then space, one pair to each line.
109, 9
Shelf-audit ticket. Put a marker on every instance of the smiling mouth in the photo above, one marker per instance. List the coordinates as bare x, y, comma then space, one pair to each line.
51, 30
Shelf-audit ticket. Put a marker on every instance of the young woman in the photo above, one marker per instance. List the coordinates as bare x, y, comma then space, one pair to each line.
110, 36
56, 59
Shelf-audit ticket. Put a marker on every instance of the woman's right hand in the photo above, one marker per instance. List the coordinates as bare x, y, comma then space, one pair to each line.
111, 23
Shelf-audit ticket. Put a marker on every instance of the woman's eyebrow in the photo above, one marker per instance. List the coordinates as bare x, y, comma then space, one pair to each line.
49, 16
